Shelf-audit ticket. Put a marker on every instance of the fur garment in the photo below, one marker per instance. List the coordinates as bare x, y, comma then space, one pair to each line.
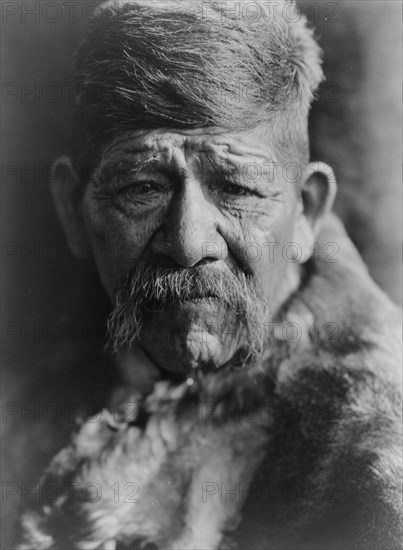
303, 451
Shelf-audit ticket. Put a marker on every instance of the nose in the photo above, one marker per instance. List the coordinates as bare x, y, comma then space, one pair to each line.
189, 233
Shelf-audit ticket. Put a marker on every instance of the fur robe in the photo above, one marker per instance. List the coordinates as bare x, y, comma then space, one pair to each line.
302, 452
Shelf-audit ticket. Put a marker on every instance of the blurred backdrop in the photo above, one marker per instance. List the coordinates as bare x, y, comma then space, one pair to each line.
355, 127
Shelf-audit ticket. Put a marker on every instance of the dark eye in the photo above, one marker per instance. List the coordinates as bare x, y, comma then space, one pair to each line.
140, 188
234, 189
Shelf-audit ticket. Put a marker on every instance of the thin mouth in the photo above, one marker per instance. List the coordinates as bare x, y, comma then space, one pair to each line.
199, 298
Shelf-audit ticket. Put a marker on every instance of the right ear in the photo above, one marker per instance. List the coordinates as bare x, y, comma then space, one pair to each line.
67, 194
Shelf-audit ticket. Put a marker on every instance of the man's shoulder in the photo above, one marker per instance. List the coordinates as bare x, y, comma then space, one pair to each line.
351, 313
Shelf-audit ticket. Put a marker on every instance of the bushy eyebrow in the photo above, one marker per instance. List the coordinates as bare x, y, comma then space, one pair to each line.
128, 159
226, 167
127, 163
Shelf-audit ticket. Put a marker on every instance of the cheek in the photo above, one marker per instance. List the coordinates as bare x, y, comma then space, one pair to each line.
117, 241
263, 240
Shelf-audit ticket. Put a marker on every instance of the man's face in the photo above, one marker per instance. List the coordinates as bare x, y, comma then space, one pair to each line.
201, 201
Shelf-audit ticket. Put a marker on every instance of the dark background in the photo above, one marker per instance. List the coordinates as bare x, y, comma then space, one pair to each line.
355, 127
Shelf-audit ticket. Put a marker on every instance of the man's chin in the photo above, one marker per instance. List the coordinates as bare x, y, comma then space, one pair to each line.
189, 336
190, 353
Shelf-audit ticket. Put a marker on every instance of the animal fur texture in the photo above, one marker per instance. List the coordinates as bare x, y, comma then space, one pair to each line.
302, 452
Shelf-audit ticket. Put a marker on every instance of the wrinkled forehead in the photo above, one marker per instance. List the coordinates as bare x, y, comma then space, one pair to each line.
180, 147
230, 8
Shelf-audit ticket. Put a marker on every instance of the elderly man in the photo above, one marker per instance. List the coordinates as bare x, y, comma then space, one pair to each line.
260, 362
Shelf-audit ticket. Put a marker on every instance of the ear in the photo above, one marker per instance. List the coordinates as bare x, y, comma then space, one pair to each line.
67, 194
318, 191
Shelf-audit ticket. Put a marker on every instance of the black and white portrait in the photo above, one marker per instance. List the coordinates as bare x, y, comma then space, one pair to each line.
201, 249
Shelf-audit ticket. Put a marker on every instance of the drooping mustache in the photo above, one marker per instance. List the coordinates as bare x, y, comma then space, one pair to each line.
152, 286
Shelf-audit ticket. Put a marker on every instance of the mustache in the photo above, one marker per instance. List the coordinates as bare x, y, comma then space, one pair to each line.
170, 284
152, 286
